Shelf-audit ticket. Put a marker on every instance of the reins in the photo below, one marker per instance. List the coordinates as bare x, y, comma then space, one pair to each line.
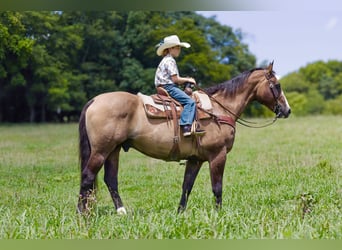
239, 120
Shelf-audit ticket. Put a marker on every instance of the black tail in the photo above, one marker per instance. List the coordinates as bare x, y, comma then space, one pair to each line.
84, 146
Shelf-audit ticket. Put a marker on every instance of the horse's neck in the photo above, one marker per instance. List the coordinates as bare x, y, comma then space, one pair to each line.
235, 103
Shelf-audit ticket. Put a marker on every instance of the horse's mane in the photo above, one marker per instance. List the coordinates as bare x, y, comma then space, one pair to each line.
231, 86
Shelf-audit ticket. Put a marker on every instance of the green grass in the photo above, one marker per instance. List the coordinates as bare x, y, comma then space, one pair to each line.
283, 181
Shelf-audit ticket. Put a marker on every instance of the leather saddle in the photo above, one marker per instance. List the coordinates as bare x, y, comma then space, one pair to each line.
161, 105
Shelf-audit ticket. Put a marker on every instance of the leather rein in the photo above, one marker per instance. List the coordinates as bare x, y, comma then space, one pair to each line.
242, 121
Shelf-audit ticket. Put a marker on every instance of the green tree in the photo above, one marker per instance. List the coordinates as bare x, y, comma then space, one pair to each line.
315, 102
333, 106
298, 103
313, 72
46, 66
319, 84
52, 62
15, 54
295, 82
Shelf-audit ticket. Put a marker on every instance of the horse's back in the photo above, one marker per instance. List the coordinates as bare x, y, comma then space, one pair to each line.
115, 98
114, 101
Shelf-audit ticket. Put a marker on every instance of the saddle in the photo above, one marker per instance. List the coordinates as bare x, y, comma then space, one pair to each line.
161, 105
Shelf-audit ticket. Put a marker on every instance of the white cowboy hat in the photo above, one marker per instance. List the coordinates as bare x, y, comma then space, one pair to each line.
169, 42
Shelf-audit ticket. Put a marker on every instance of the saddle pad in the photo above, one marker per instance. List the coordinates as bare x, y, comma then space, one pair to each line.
203, 99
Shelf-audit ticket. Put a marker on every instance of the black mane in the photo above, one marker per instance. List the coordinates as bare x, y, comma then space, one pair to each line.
230, 86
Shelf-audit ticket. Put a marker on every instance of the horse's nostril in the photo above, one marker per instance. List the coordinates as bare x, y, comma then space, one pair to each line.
289, 111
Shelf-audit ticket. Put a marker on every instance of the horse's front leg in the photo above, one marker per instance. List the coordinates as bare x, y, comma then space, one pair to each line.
191, 171
216, 165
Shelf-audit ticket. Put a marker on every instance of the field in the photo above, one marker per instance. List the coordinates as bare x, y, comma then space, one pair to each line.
283, 181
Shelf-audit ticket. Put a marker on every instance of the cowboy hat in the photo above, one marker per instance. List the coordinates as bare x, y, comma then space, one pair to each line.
169, 42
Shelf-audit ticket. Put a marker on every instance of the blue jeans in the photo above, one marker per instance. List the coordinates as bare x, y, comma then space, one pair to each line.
189, 105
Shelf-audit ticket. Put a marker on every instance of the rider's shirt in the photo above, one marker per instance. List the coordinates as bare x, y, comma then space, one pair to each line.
166, 68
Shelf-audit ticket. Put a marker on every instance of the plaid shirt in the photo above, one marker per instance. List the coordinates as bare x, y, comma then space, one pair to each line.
166, 68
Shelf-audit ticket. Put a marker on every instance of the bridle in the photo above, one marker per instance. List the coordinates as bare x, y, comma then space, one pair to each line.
273, 87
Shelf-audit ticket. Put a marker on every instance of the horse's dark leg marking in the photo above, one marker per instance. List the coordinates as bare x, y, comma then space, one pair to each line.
216, 166
111, 168
88, 177
191, 171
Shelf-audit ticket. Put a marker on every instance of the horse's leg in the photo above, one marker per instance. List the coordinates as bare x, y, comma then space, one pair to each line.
111, 168
216, 166
191, 171
88, 177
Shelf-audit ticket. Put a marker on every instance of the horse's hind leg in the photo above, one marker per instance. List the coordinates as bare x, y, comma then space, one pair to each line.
88, 177
111, 179
191, 171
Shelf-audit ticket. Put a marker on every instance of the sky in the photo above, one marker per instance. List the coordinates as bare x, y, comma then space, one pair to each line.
292, 38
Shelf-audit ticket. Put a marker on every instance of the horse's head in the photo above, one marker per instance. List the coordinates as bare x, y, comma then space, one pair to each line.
270, 94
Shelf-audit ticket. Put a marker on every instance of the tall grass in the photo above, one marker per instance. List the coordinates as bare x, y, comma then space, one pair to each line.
283, 181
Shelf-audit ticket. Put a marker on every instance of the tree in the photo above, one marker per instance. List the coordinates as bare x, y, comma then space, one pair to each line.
313, 72
295, 82
52, 62
319, 83
15, 53
46, 66
334, 106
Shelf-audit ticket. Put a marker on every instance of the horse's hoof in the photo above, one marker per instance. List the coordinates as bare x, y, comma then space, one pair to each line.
121, 211
180, 209
80, 209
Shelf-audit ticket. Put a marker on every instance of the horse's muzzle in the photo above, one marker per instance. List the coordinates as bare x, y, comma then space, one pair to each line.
283, 113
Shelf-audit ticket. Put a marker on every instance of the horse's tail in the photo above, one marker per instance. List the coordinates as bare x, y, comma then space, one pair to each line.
84, 145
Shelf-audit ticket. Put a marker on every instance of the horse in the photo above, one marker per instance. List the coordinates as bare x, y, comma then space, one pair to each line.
115, 120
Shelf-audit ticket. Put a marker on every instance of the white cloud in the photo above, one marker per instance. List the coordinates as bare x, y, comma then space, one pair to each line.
331, 24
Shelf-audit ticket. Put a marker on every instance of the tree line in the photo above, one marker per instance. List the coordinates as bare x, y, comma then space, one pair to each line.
315, 88
52, 62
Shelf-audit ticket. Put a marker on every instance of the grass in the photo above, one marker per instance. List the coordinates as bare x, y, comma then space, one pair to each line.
280, 182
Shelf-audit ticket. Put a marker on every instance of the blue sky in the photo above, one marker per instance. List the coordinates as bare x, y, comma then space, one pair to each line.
292, 38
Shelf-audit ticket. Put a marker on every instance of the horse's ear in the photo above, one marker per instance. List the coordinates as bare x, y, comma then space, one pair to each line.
270, 67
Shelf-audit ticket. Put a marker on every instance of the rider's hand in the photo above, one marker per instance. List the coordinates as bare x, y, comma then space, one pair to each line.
191, 80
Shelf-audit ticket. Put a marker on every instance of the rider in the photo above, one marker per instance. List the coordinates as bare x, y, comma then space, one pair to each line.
167, 76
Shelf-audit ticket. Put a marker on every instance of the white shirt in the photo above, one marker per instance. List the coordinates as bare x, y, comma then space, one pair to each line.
166, 68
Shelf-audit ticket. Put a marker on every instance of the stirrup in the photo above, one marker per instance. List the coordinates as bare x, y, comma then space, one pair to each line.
197, 131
